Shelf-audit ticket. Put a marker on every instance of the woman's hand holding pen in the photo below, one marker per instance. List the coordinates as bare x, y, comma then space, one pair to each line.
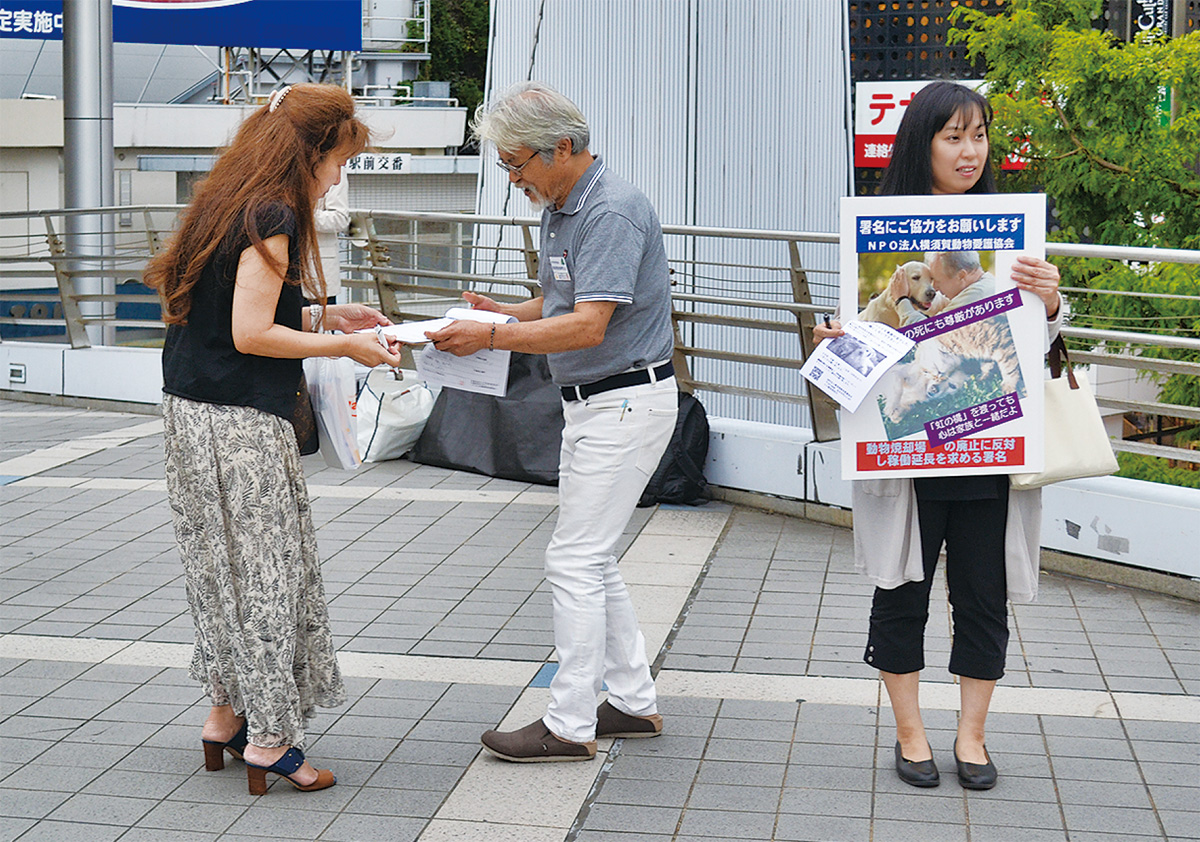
827, 330
368, 349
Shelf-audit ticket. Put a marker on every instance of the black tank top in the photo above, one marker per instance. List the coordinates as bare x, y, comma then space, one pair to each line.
199, 360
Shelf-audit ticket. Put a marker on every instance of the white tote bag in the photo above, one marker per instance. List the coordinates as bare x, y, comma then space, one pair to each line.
331, 386
1077, 444
391, 414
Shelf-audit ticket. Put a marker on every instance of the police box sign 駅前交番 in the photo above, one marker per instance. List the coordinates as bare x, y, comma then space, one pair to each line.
380, 163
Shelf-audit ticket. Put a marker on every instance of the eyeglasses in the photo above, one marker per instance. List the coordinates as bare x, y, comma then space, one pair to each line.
511, 168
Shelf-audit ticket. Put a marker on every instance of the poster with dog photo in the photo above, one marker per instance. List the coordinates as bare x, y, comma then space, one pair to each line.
968, 398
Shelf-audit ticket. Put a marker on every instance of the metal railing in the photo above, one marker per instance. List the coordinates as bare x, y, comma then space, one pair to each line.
744, 301
404, 32
36, 254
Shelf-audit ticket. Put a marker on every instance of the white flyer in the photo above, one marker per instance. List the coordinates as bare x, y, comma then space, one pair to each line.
846, 368
413, 333
485, 372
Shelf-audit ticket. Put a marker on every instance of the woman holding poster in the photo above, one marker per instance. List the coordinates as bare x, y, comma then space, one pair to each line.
991, 534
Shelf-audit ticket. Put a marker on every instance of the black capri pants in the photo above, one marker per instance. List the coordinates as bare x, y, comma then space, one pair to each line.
973, 532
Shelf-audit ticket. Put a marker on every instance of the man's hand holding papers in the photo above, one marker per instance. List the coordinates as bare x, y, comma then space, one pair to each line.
418, 333
460, 360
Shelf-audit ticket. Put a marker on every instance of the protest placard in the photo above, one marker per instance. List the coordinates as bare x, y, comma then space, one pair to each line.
968, 398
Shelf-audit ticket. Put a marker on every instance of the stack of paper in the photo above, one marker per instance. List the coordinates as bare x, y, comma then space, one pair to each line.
485, 371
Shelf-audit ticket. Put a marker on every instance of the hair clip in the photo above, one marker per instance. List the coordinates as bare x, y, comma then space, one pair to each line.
276, 97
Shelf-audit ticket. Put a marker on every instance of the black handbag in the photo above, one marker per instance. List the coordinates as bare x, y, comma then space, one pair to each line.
304, 421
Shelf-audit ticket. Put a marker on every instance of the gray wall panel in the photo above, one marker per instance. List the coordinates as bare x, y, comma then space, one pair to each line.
726, 113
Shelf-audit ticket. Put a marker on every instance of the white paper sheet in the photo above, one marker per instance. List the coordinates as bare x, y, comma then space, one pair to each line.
413, 333
847, 367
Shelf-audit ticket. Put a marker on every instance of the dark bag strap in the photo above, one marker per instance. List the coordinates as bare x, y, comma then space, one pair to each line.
366, 387
1056, 357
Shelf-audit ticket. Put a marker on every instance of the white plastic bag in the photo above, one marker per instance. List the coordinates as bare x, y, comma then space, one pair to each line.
392, 413
331, 386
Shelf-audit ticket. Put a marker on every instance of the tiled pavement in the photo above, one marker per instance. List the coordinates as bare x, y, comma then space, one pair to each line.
775, 727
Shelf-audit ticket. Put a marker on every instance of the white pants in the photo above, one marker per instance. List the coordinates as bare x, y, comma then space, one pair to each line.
612, 442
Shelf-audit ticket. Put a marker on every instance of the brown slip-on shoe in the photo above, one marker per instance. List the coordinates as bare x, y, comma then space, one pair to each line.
611, 722
535, 743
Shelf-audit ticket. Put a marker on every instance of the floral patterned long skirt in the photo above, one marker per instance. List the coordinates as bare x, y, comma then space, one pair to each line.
244, 528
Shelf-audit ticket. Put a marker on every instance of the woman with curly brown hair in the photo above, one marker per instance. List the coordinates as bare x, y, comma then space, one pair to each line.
233, 282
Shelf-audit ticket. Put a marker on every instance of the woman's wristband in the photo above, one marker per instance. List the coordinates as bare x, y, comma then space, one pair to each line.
314, 318
492, 339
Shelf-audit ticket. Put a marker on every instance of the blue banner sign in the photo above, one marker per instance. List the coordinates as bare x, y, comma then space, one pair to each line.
961, 232
289, 24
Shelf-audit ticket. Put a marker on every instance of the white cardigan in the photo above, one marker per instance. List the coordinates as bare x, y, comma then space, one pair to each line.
330, 218
887, 534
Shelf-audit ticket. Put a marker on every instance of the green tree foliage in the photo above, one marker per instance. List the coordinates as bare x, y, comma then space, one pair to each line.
1100, 145
458, 42
1153, 469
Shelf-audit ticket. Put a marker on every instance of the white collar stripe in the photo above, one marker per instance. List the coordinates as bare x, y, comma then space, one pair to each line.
591, 184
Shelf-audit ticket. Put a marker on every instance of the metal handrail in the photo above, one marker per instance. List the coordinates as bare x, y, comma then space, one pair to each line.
1133, 254
392, 267
1122, 337
99, 211
391, 273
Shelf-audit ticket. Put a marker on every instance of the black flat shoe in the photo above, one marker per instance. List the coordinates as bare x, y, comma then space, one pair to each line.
975, 775
921, 773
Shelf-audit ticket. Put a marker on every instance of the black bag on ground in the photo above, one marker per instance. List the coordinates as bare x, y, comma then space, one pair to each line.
679, 477
515, 437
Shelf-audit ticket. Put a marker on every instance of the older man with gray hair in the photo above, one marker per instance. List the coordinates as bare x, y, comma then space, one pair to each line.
604, 320
959, 278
